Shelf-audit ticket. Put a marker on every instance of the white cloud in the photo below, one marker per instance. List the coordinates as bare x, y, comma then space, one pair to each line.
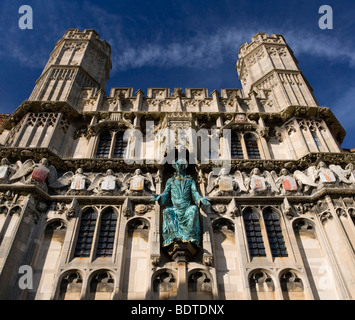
325, 47
203, 49
211, 49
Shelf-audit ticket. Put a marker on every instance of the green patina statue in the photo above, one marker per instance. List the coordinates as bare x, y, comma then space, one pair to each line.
181, 220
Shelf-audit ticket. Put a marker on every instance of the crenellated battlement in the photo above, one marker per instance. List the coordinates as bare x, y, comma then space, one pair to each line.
87, 34
164, 93
258, 39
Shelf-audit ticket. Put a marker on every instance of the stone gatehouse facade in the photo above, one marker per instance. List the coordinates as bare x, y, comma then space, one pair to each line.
75, 192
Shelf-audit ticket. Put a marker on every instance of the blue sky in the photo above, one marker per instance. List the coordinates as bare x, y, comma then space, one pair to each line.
184, 44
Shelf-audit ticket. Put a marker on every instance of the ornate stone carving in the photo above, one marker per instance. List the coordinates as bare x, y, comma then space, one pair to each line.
325, 216
220, 208
155, 259
207, 259
141, 208
341, 212
287, 209
127, 208
38, 174
224, 184
286, 183
73, 210
138, 184
106, 184
6, 171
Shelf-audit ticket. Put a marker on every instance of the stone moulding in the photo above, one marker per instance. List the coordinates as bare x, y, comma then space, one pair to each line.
100, 164
44, 106
24, 189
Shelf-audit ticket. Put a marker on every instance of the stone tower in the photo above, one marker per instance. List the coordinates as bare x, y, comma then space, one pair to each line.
80, 60
267, 66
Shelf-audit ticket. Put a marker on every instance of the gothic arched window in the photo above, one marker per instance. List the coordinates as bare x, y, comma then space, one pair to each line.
316, 139
253, 233
252, 146
236, 146
273, 228
107, 233
120, 145
86, 233
111, 149
103, 149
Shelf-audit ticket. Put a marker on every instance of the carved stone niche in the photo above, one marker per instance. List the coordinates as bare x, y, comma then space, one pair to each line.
341, 212
304, 227
200, 281
165, 283
223, 225
3, 210
155, 259
325, 216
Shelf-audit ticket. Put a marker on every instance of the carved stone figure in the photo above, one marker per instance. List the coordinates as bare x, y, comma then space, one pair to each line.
262, 183
286, 183
79, 181
306, 180
324, 176
6, 171
181, 218
224, 184
39, 174
139, 184
106, 184
344, 176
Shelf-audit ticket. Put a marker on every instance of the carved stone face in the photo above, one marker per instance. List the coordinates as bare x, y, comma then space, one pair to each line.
256, 171
5, 162
322, 165
284, 172
44, 162
79, 171
137, 172
109, 172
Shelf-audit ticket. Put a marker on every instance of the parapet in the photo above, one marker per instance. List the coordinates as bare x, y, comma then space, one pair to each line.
256, 40
87, 34
164, 93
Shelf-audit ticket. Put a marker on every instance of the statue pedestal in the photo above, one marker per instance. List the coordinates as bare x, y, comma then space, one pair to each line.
182, 251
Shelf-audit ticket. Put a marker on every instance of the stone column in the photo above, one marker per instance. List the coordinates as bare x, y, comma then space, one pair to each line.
182, 291
139, 102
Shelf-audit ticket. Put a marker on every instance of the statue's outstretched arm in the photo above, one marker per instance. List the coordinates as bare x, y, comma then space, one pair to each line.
197, 197
163, 198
